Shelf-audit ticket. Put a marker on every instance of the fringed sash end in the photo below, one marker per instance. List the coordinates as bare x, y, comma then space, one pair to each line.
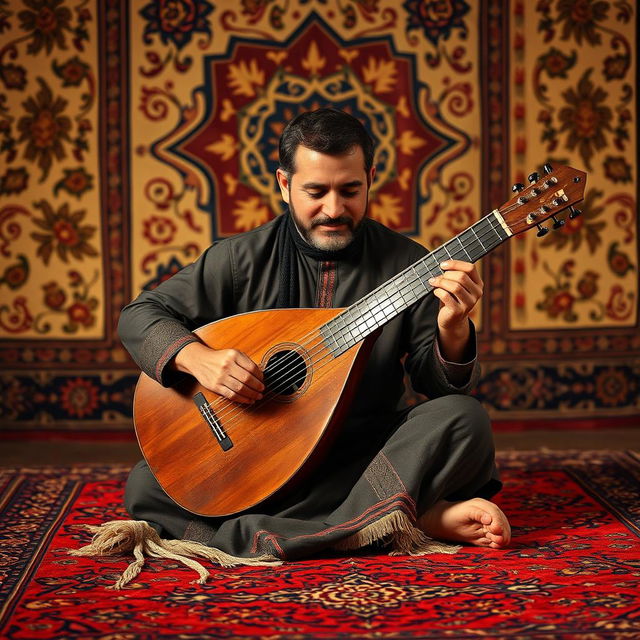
397, 530
135, 536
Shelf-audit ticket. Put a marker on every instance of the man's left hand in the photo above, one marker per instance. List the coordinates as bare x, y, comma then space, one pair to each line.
459, 288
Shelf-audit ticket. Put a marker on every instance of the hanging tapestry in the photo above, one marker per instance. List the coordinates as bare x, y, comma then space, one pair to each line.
135, 134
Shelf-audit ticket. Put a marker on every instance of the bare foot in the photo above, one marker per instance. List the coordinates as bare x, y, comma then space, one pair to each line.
476, 521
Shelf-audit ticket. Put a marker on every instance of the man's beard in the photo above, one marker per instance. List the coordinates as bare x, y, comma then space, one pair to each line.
324, 242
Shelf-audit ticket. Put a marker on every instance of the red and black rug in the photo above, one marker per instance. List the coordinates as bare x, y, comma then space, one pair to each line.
573, 570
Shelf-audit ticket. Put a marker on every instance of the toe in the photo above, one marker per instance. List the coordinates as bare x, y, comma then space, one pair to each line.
498, 539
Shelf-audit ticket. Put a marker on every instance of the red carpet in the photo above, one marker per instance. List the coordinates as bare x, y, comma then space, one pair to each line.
573, 570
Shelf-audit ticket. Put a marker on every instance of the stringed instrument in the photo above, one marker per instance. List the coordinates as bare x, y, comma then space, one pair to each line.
215, 457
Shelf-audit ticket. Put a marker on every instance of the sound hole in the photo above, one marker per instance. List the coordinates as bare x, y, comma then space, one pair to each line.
285, 373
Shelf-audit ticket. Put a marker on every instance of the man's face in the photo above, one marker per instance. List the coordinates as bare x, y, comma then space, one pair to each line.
327, 195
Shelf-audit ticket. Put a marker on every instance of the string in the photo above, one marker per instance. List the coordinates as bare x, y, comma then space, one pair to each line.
223, 403
299, 369
408, 284
290, 375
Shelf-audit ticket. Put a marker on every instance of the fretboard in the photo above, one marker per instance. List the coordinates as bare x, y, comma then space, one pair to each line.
390, 299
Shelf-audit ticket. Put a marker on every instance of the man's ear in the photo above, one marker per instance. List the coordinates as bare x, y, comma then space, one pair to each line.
283, 183
371, 176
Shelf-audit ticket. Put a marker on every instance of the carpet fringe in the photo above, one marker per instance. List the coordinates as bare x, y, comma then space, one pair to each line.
121, 537
397, 529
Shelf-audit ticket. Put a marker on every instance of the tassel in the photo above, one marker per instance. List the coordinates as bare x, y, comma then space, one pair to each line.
138, 537
397, 529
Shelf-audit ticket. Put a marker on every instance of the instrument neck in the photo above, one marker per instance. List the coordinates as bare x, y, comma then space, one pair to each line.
390, 299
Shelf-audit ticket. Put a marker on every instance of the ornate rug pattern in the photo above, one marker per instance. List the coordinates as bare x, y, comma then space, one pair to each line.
134, 134
571, 572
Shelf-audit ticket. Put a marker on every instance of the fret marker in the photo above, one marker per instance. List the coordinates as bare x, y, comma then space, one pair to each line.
503, 224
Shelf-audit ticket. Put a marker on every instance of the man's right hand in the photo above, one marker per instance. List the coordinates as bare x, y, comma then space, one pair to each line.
227, 372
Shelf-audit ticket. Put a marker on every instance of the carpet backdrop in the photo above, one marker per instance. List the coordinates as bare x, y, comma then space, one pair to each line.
134, 134
570, 573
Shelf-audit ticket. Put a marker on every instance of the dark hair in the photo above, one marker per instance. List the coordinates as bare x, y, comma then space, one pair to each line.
325, 130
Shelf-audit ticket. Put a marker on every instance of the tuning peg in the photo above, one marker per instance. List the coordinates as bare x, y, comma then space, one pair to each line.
574, 213
557, 223
534, 177
542, 231
518, 186
547, 168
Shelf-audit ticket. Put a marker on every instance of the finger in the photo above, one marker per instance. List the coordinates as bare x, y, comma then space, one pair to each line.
254, 371
243, 395
246, 379
494, 537
448, 301
463, 279
455, 291
239, 387
466, 267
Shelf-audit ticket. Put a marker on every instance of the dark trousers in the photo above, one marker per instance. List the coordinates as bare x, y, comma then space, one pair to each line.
440, 449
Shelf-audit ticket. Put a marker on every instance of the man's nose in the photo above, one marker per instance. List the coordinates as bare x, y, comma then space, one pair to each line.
333, 204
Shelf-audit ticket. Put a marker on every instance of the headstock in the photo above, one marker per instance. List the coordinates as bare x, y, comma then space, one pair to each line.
544, 198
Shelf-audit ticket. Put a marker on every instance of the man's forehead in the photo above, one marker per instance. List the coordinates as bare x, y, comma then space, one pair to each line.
350, 163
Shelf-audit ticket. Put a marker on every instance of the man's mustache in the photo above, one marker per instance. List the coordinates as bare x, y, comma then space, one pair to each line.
325, 221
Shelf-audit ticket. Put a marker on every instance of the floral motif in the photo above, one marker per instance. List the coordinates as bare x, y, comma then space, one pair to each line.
579, 18
437, 18
79, 397
159, 230
17, 398
381, 74
612, 387
75, 182
584, 228
13, 76
586, 118
17, 318
80, 313
15, 275
250, 213
619, 262
64, 233
617, 169
54, 295
556, 63
588, 285
176, 21
45, 128
47, 21
78, 306
386, 208
10, 229
72, 72
620, 304
358, 594
14, 181
616, 67
558, 301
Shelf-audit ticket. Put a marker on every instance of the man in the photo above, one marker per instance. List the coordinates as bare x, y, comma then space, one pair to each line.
393, 475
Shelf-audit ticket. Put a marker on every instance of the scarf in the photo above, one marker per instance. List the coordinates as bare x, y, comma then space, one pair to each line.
289, 241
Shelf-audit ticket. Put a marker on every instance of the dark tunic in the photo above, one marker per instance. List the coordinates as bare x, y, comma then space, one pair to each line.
368, 474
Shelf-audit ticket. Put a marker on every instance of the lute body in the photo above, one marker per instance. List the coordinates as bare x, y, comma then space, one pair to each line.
273, 442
